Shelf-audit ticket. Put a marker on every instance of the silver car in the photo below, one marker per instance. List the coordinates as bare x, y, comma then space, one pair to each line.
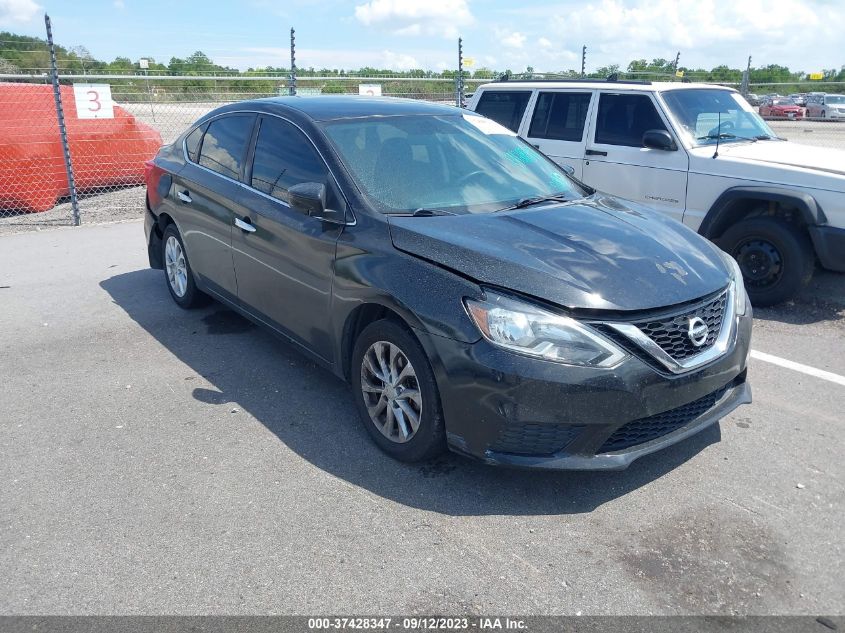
826, 106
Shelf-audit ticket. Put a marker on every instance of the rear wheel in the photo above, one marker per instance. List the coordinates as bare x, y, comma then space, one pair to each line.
776, 258
396, 394
178, 273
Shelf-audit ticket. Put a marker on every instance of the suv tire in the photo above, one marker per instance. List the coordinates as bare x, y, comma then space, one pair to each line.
371, 393
776, 258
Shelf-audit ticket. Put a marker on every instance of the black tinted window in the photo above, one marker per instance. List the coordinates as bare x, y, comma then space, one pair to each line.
623, 119
192, 143
505, 108
285, 157
560, 116
224, 143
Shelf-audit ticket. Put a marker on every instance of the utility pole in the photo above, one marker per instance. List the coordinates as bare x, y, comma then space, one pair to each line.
459, 79
292, 84
583, 60
677, 59
744, 88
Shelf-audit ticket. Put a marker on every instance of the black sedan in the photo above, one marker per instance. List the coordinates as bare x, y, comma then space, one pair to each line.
473, 294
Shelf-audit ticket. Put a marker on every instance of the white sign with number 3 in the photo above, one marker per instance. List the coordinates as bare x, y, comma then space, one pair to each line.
93, 101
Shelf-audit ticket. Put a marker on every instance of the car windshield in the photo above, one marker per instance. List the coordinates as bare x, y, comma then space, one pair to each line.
786, 102
709, 115
832, 99
458, 163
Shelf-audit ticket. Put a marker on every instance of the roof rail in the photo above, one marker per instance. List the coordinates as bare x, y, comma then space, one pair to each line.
542, 77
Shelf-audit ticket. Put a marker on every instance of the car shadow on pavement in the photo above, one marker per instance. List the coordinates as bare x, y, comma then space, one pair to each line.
312, 412
823, 300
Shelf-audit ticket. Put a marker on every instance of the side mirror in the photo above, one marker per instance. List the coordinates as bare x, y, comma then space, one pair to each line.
569, 169
309, 198
659, 139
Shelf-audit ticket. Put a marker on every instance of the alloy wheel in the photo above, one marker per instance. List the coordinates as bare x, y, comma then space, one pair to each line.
391, 391
177, 268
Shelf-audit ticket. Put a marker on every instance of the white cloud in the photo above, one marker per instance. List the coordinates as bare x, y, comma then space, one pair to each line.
260, 57
510, 39
544, 43
18, 11
441, 18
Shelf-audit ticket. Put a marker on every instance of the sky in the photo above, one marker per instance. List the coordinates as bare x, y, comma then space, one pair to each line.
400, 34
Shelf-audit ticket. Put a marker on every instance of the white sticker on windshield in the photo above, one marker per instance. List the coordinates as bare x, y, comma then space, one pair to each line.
488, 126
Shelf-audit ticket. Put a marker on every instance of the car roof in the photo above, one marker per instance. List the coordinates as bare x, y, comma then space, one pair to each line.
617, 86
331, 107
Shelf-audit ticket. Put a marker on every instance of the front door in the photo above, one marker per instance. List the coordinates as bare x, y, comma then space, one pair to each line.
557, 126
284, 260
616, 162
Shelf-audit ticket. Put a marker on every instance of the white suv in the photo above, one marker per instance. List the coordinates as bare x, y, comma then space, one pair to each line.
700, 154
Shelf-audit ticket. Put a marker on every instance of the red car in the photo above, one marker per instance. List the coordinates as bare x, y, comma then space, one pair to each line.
781, 109
104, 152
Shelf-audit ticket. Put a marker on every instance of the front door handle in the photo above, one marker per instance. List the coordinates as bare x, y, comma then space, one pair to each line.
184, 196
595, 152
245, 225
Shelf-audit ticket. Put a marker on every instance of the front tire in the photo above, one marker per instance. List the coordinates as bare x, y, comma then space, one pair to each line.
396, 393
776, 258
178, 273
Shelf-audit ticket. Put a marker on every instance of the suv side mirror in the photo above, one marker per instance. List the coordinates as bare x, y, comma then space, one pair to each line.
569, 169
309, 198
659, 139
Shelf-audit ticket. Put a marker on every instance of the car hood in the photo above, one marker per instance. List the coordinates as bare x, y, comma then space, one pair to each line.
779, 153
596, 253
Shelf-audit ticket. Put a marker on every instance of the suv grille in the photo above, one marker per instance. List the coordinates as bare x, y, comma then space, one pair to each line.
672, 333
535, 439
647, 429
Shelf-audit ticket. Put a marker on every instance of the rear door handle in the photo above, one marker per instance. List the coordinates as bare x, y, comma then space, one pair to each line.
595, 152
184, 196
245, 225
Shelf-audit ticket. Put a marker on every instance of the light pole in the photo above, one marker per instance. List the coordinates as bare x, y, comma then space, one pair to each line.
144, 64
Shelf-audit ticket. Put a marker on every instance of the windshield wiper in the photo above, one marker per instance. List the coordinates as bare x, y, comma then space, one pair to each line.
727, 135
527, 202
767, 137
425, 213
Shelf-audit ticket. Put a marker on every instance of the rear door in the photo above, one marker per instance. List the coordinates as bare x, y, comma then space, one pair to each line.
616, 162
558, 125
207, 192
284, 260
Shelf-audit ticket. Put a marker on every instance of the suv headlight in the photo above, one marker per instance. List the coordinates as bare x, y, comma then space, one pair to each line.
529, 329
740, 296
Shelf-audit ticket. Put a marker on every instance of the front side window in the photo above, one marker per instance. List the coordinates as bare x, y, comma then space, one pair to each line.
505, 108
624, 118
284, 157
560, 116
706, 115
453, 163
224, 144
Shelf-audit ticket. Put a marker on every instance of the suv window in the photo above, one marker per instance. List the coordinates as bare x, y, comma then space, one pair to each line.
505, 108
285, 157
624, 118
224, 144
560, 116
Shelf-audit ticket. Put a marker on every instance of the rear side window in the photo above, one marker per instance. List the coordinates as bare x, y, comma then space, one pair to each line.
505, 108
624, 118
224, 144
192, 143
285, 157
560, 116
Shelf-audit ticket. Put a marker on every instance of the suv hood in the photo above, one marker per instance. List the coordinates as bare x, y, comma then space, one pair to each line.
788, 154
595, 253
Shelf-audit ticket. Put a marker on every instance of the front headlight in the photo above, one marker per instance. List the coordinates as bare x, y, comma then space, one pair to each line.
532, 330
740, 296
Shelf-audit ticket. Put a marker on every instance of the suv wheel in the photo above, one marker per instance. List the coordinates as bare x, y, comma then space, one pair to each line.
177, 271
776, 258
396, 394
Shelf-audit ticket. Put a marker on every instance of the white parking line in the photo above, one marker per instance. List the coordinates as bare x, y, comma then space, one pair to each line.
804, 369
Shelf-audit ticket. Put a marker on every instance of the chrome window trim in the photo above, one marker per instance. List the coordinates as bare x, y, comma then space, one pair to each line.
721, 345
252, 189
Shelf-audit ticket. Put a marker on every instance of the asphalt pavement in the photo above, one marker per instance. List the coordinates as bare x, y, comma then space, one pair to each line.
159, 461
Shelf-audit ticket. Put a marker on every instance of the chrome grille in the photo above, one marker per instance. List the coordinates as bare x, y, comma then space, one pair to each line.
672, 333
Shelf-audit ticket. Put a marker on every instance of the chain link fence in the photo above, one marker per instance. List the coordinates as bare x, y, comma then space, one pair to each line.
115, 122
